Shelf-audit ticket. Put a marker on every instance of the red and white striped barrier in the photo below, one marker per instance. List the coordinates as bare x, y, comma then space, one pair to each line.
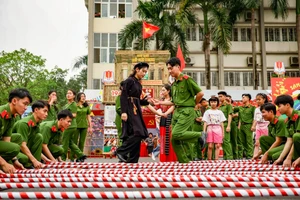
159, 172
196, 185
152, 194
155, 179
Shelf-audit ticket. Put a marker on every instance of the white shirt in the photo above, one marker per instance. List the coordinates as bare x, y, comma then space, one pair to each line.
213, 117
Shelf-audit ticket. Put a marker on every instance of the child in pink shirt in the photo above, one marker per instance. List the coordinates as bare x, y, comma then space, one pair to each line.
213, 125
260, 126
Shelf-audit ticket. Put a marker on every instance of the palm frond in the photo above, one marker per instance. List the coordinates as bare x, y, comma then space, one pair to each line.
220, 28
131, 32
279, 8
80, 61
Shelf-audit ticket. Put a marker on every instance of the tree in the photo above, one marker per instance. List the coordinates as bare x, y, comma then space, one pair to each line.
21, 68
279, 7
161, 13
217, 26
80, 61
78, 82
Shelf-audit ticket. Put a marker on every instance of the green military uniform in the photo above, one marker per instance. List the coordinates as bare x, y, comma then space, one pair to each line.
227, 111
184, 90
8, 150
67, 140
118, 120
198, 127
52, 136
30, 132
245, 141
293, 126
52, 113
82, 126
234, 134
276, 128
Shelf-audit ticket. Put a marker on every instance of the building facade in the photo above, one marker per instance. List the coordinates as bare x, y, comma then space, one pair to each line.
276, 41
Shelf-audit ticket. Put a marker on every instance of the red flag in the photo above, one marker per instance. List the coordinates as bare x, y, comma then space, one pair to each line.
181, 58
149, 30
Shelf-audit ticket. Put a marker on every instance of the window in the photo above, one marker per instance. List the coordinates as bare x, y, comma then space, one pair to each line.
277, 34
193, 75
235, 36
201, 36
113, 8
202, 78
248, 79
284, 34
232, 79
96, 83
105, 46
214, 78
191, 34
246, 34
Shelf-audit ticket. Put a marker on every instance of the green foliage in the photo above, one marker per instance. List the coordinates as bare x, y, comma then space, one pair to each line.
164, 14
21, 68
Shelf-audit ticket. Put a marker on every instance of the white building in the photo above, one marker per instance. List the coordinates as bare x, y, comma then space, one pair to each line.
108, 17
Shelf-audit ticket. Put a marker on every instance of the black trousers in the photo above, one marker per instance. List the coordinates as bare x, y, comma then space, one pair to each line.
131, 148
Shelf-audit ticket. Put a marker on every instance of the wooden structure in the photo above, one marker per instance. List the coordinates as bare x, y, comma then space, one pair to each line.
124, 63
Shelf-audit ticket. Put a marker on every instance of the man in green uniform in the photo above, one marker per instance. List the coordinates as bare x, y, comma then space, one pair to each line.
32, 139
198, 127
272, 144
184, 90
19, 99
234, 129
226, 108
52, 134
285, 106
245, 137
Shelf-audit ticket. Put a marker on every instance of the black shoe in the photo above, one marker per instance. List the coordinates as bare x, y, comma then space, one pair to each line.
81, 159
202, 140
121, 158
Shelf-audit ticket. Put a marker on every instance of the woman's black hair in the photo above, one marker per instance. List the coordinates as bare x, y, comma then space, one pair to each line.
78, 97
215, 99
168, 88
139, 65
264, 96
74, 93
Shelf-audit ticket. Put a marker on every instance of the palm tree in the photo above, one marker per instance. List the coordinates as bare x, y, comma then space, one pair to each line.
80, 61
279, 7
216, 27
161, 13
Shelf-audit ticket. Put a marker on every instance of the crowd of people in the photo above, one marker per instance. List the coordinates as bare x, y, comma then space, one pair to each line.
200, 127
46, 134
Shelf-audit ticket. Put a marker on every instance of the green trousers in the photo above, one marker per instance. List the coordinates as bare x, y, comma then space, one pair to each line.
197, 153
34, 144
55, 150
265, 144
67, 142
296, 141
227, 149
245, 141
9, 150
233, 139
79, 139
182, 134
118, 122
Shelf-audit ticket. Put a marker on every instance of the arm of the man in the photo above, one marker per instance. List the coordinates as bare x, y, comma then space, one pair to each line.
199, 96
277, 142
285, 151
47, 152
288, 161
6, 167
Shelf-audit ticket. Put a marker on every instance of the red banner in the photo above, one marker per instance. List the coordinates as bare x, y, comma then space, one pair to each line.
289, 86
